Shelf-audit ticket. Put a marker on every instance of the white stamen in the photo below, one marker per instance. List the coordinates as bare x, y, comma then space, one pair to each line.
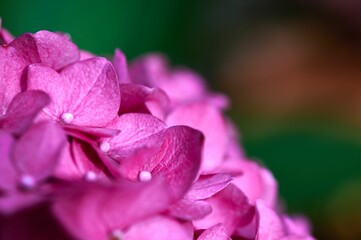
3, 111
144, 176
67, 118
90, 176
116, 235
27, 182
104, 146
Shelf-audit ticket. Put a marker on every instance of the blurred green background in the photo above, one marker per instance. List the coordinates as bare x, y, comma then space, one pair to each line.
291, 69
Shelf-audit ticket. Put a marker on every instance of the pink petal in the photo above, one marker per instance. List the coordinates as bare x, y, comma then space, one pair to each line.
101, 209
149, 70
8, 176
180, 158
256, 182
218, 100
234, 149
270, 225
15, 201
121, 66
12, 65
298, 225
136, 201
208, 185
174, 153
158, 228
85, 159
5, 36
22, 111
135, 130
184, 86
36, 153
94, 132
78, 213
66, 168
85, 55
92, 154
91, 95
138, 98
230, 207
186, 209
51, 49
217, 232
211, 123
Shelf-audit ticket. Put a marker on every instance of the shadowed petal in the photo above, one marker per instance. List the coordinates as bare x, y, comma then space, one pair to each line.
8, 176
15, 201
101, 209
217, 232
33, 223
230, 207
141, 99
22, 111
36, 153
94, 132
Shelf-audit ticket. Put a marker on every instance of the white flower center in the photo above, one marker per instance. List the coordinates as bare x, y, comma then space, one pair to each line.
104, 146
90, 176
144, 176
116, 235
27, 182
67, 118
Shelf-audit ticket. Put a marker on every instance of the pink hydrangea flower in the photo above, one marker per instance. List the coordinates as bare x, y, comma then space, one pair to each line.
91, 149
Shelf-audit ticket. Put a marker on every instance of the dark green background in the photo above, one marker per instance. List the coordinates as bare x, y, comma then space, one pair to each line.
309, 159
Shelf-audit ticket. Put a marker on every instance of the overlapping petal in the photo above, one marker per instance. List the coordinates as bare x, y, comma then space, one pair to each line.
51, 49
141, 99
230, 207
102, 210
217, 232
12, 64
82, 102
22, 110
36, 153
211, 123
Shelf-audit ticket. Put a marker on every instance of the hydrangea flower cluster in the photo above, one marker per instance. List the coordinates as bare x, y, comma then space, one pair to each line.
97, 149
